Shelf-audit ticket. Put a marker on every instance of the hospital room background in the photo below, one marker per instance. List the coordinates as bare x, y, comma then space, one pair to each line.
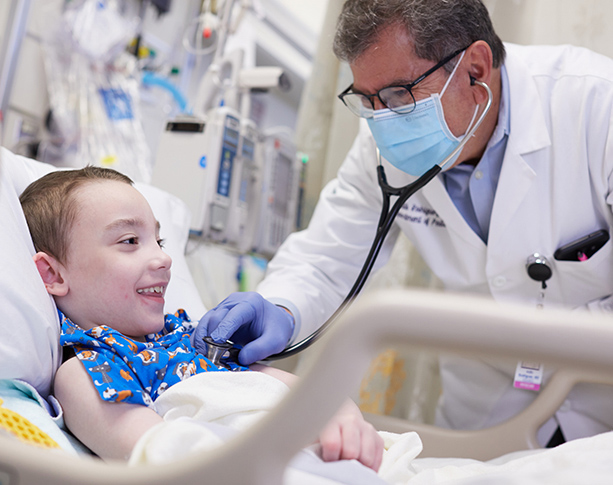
279, 90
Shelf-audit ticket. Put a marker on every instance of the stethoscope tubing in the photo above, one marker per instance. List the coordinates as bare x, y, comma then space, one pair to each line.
385, 224
386, 221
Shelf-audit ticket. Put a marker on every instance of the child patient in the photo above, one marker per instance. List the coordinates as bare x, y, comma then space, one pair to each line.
100, 255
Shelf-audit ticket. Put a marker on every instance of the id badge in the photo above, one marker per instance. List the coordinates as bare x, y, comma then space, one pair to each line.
528, 375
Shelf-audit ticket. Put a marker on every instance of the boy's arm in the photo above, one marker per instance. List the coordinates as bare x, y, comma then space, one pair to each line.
347, 436
109, 429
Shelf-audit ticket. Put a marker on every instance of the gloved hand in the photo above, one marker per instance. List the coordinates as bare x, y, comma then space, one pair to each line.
247, 319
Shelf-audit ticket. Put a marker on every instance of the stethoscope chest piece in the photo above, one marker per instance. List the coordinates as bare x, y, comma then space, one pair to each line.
216, 350
538, 268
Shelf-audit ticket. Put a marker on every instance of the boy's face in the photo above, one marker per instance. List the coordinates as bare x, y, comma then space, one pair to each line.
116, 270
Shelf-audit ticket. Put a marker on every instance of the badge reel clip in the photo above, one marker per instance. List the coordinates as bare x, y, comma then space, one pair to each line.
538, 269
216, 351
529, 375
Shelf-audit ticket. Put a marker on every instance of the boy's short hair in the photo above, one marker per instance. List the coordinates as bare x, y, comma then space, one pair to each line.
50, 209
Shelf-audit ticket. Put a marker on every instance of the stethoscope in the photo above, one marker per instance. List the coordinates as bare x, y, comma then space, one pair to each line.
384, 225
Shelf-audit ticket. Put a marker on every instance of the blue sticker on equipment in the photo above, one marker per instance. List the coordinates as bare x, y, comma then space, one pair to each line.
203, 161
117, 103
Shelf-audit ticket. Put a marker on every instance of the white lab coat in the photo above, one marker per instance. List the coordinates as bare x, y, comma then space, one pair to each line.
554, 187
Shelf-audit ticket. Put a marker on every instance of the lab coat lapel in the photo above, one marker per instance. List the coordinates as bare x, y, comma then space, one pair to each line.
438, 197
528, 133
516, 178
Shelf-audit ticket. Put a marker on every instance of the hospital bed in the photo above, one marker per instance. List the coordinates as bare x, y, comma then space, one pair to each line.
263, 453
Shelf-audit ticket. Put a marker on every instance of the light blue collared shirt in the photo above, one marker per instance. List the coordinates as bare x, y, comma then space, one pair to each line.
472, 189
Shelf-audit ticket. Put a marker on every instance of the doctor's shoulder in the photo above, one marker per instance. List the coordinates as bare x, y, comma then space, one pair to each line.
558, 61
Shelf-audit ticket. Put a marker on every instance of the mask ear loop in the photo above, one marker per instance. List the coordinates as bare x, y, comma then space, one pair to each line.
471, 132
455, 68
472, 83
472, 120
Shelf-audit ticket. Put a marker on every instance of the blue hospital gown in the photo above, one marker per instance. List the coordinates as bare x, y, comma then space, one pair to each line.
125, 370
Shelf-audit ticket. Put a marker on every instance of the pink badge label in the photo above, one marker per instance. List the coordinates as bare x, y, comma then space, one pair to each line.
528, 375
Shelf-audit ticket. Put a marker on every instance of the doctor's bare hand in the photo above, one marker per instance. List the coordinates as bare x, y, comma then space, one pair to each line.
349, 437
247, 319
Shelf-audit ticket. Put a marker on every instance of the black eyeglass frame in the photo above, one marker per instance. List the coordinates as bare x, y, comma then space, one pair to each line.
408, 87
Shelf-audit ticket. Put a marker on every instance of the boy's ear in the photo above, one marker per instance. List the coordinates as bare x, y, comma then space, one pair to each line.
50, 271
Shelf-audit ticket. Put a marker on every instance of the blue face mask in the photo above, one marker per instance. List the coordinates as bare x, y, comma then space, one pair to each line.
417, 141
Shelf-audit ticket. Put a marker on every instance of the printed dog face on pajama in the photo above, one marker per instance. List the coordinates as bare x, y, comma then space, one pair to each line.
116, 272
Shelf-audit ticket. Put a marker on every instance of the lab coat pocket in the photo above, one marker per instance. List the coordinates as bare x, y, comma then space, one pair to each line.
584, 281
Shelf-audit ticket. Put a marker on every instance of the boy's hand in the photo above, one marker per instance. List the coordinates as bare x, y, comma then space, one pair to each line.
349, 437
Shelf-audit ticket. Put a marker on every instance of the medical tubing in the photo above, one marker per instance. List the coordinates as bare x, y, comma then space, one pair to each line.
385, 224
152, 79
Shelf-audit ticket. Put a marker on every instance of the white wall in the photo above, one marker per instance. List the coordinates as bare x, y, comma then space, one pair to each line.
310, 12
580, 22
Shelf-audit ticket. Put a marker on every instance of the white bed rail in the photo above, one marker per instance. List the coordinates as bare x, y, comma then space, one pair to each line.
460, 324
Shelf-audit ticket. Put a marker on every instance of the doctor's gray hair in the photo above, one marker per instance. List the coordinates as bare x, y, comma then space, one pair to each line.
436, 27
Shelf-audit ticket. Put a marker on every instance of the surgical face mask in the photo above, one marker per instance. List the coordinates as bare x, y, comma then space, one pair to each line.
415, 142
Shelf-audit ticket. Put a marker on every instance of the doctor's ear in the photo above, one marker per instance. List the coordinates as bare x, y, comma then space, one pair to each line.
50, 270
480, 68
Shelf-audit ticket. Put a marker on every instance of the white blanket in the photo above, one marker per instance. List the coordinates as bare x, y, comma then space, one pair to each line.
231, 399
235, 400
203, 411
588, 460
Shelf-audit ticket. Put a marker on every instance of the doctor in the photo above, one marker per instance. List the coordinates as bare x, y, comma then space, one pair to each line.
536, 175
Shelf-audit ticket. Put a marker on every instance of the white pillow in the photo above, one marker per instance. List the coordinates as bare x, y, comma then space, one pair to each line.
29, 327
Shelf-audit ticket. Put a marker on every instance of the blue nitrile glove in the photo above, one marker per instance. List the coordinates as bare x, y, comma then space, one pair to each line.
250, 320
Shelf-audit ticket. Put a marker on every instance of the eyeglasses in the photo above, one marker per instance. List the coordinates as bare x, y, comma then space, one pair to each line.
399, 99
